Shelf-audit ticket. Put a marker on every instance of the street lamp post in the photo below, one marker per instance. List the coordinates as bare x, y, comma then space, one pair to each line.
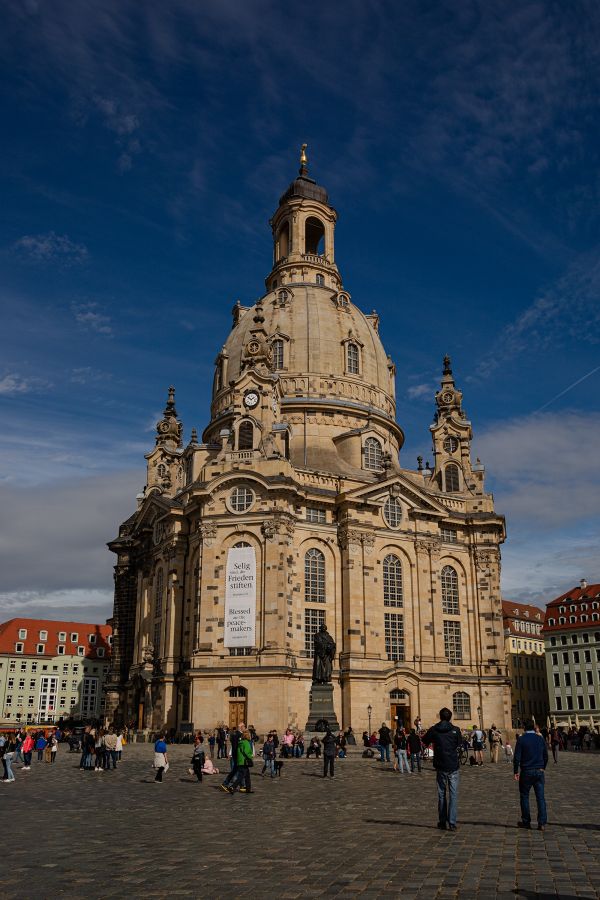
369, 711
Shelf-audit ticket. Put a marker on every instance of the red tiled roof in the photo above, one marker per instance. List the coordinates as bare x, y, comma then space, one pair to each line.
514, 614
577, 597
9, 637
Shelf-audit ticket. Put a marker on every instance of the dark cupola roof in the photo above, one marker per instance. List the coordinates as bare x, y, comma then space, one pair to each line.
303, 186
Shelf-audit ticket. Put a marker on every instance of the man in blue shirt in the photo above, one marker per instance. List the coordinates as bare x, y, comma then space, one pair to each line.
531, 756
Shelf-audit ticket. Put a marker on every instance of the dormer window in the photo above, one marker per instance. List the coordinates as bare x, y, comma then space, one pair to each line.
43, 635
352, 358
373, 455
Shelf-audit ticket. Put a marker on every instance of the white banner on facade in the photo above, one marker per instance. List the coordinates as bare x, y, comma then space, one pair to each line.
240, 597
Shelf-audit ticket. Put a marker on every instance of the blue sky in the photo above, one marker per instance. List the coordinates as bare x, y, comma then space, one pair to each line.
145, 147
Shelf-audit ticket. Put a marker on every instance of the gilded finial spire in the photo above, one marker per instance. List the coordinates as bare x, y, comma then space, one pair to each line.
447, 365
303, 160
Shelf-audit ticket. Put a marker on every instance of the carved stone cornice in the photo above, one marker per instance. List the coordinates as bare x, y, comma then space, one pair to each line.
351, 539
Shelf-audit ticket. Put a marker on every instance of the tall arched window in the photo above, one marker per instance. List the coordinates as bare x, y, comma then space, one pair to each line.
373, 454
159, 589
277, 348
461, 705
352, 363
282, 246
452, 477
246, 436
449, 580
392, 581
314, 576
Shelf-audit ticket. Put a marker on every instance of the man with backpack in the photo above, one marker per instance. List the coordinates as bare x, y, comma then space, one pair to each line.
446, 740
478, 739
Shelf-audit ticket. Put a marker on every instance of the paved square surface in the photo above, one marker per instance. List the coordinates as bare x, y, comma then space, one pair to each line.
367, 832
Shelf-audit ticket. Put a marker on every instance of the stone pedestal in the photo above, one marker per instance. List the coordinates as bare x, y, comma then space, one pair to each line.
321, 709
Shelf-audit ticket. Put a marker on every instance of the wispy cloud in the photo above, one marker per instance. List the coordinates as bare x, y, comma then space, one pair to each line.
421, 392
51, 248
12, 384
568, 310
89, 316
88, 375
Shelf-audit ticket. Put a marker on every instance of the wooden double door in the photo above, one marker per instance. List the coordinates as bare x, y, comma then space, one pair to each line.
237, 713
400, 714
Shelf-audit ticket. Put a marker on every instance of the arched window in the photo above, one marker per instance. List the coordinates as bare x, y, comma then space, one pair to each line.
161, 471
352, 359
277, 348
398, 695
238, 692
246, 436
461, 705
392, 512
314, 576
392, 581
314, 236
242, 544
449, 580
282, 247
452, 478
373, 454
159, 589
320, 280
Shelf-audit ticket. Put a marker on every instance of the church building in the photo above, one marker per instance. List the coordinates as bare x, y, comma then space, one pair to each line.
293, 510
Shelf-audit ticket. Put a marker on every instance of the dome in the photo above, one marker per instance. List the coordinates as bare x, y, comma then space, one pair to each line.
316, 326
305, 187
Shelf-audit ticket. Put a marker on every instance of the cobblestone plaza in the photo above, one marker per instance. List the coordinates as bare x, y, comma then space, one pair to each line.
368, 832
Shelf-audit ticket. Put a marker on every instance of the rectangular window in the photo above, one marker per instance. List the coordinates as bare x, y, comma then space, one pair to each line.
63, 684
592, 701
449, 535
47, 698
40, 648
569, 702
313, 619
578, 678
18, 647
156, 638
9, 700
89, 696
65, 668
22, 634
452, 643
74, 684
62, 636
43, 635
30, 701
100, 651
32, 684
394, 636
80, 651
314, 514
61, 649
74, 637
580, 704
587, 655
567, 679
558, 702
11, 683
589, 677
92, 638
555, 659
34, 667
73, 701
565, 659
576, 656
21, 683
241, 651
23, 667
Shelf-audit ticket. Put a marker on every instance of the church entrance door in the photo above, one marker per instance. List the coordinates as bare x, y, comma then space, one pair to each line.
237, 713
400, 715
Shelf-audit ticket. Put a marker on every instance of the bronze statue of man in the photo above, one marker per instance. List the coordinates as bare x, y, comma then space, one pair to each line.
324, 656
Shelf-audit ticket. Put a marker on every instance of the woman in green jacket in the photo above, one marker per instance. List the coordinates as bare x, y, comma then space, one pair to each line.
244, 761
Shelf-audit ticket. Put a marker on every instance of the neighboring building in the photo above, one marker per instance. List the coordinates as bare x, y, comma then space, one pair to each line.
572, 640
299, 466
52, 670
526, 662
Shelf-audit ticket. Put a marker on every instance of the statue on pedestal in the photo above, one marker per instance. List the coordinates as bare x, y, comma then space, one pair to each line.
324, 656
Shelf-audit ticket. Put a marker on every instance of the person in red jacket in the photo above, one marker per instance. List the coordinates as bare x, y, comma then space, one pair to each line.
28, 745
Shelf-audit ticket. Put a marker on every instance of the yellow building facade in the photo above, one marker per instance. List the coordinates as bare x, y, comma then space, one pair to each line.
300, 461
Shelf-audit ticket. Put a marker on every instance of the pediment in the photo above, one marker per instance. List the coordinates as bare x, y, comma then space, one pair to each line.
415, 498
153, 508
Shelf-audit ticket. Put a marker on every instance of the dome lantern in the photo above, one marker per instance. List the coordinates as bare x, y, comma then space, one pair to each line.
303, 235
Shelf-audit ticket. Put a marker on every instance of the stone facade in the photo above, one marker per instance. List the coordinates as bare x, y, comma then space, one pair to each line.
300, 460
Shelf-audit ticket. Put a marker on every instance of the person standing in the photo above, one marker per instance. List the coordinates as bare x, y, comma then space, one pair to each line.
198, 757
446, 739
555, 743
531, 757
268, 753
329, 750
161, 761
400, 748
28, 745
40, 746
110, 744
120, 745
495, 739
99, 747
478, 738
53, 748
211, 744
416, 748
385, 739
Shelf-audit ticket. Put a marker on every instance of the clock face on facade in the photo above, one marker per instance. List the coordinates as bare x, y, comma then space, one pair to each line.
251, 399
253, 347
448, 397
